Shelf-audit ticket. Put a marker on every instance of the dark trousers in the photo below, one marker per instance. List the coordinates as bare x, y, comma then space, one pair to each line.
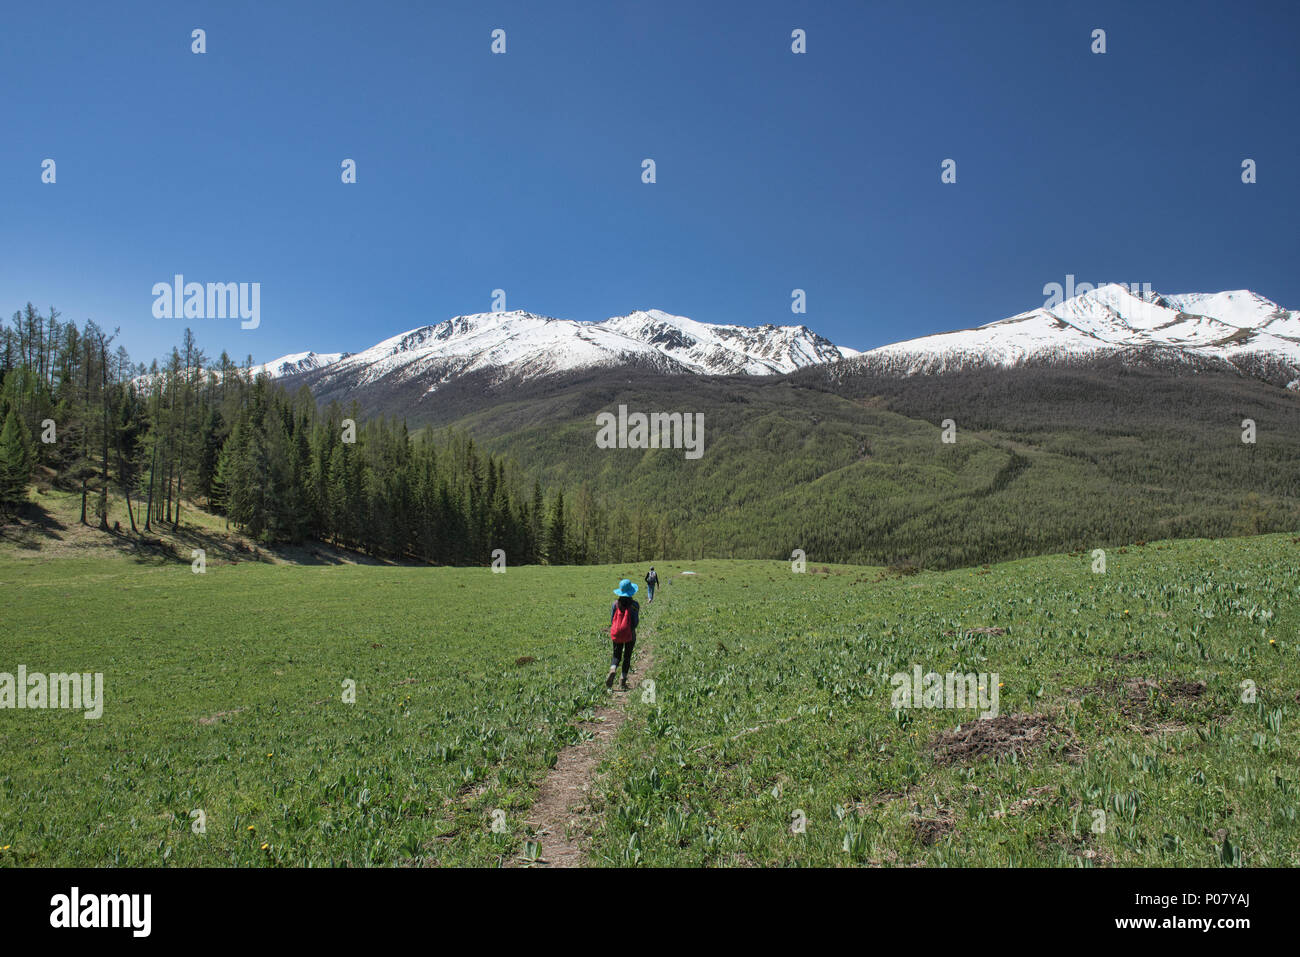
623, 651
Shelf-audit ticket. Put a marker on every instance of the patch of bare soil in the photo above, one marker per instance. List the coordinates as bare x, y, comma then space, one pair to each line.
1155, 706
881, 798
1076, 845
561, 817
1138, 696
994, 738
1036, 798
930, 830
1183, 689
214, 718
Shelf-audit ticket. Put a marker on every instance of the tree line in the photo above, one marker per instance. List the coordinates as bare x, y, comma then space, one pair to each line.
280, 468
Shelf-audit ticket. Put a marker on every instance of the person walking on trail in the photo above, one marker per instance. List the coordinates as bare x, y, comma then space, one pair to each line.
624, 616
651, 583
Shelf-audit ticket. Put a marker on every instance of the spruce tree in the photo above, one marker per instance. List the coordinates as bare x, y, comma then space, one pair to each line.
556, 550
15, 461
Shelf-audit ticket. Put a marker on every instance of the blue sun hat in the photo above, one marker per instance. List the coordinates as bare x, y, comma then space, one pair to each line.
626, 588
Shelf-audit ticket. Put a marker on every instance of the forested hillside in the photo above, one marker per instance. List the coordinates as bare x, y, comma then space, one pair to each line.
847, 465
853, 468
279, 468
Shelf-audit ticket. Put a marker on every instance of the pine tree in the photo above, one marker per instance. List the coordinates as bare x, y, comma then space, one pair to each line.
536, 515
210, 441
338, 509
15, 460
557, 552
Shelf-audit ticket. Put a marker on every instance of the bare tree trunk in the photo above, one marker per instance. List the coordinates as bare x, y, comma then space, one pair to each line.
85, 431
180, 469
130, 514
167, 460
148, 509
103, 401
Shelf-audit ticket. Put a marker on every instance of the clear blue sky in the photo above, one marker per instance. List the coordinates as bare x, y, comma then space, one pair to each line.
523, 171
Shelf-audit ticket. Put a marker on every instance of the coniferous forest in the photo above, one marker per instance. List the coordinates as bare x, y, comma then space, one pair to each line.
281, 470
843, 465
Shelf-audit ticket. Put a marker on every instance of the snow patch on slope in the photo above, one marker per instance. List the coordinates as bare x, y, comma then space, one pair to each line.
521, 345
1228, 326
297, 362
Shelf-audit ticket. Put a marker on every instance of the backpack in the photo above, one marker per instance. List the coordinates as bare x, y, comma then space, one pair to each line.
620, 629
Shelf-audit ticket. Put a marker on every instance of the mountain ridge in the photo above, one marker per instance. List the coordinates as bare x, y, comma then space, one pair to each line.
1236, 329
436, 372
526, 345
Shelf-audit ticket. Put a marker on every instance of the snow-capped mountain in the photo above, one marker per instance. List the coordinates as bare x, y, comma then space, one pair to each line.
716, 349
297, 362
522, 346
1241, 328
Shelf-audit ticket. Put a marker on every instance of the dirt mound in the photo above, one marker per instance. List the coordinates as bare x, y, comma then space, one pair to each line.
1136, 696
994, 737
1184, 689
1155, 706
928, 830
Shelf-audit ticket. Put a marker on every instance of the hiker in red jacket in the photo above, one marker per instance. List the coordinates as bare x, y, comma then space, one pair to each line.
624, 615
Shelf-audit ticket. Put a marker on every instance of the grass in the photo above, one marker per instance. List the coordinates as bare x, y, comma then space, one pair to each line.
224, 693
773, 704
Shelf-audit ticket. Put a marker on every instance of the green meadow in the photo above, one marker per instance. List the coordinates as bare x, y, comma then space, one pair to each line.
224, 694
1122, 738
1147, 715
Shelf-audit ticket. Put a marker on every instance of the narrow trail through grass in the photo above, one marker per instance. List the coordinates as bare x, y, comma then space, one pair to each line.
561, 818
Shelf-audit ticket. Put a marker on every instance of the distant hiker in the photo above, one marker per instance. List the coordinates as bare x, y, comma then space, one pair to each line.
624, 616
651, 583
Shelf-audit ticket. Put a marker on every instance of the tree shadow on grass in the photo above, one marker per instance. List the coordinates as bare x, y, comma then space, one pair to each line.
35, 528
29, 526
